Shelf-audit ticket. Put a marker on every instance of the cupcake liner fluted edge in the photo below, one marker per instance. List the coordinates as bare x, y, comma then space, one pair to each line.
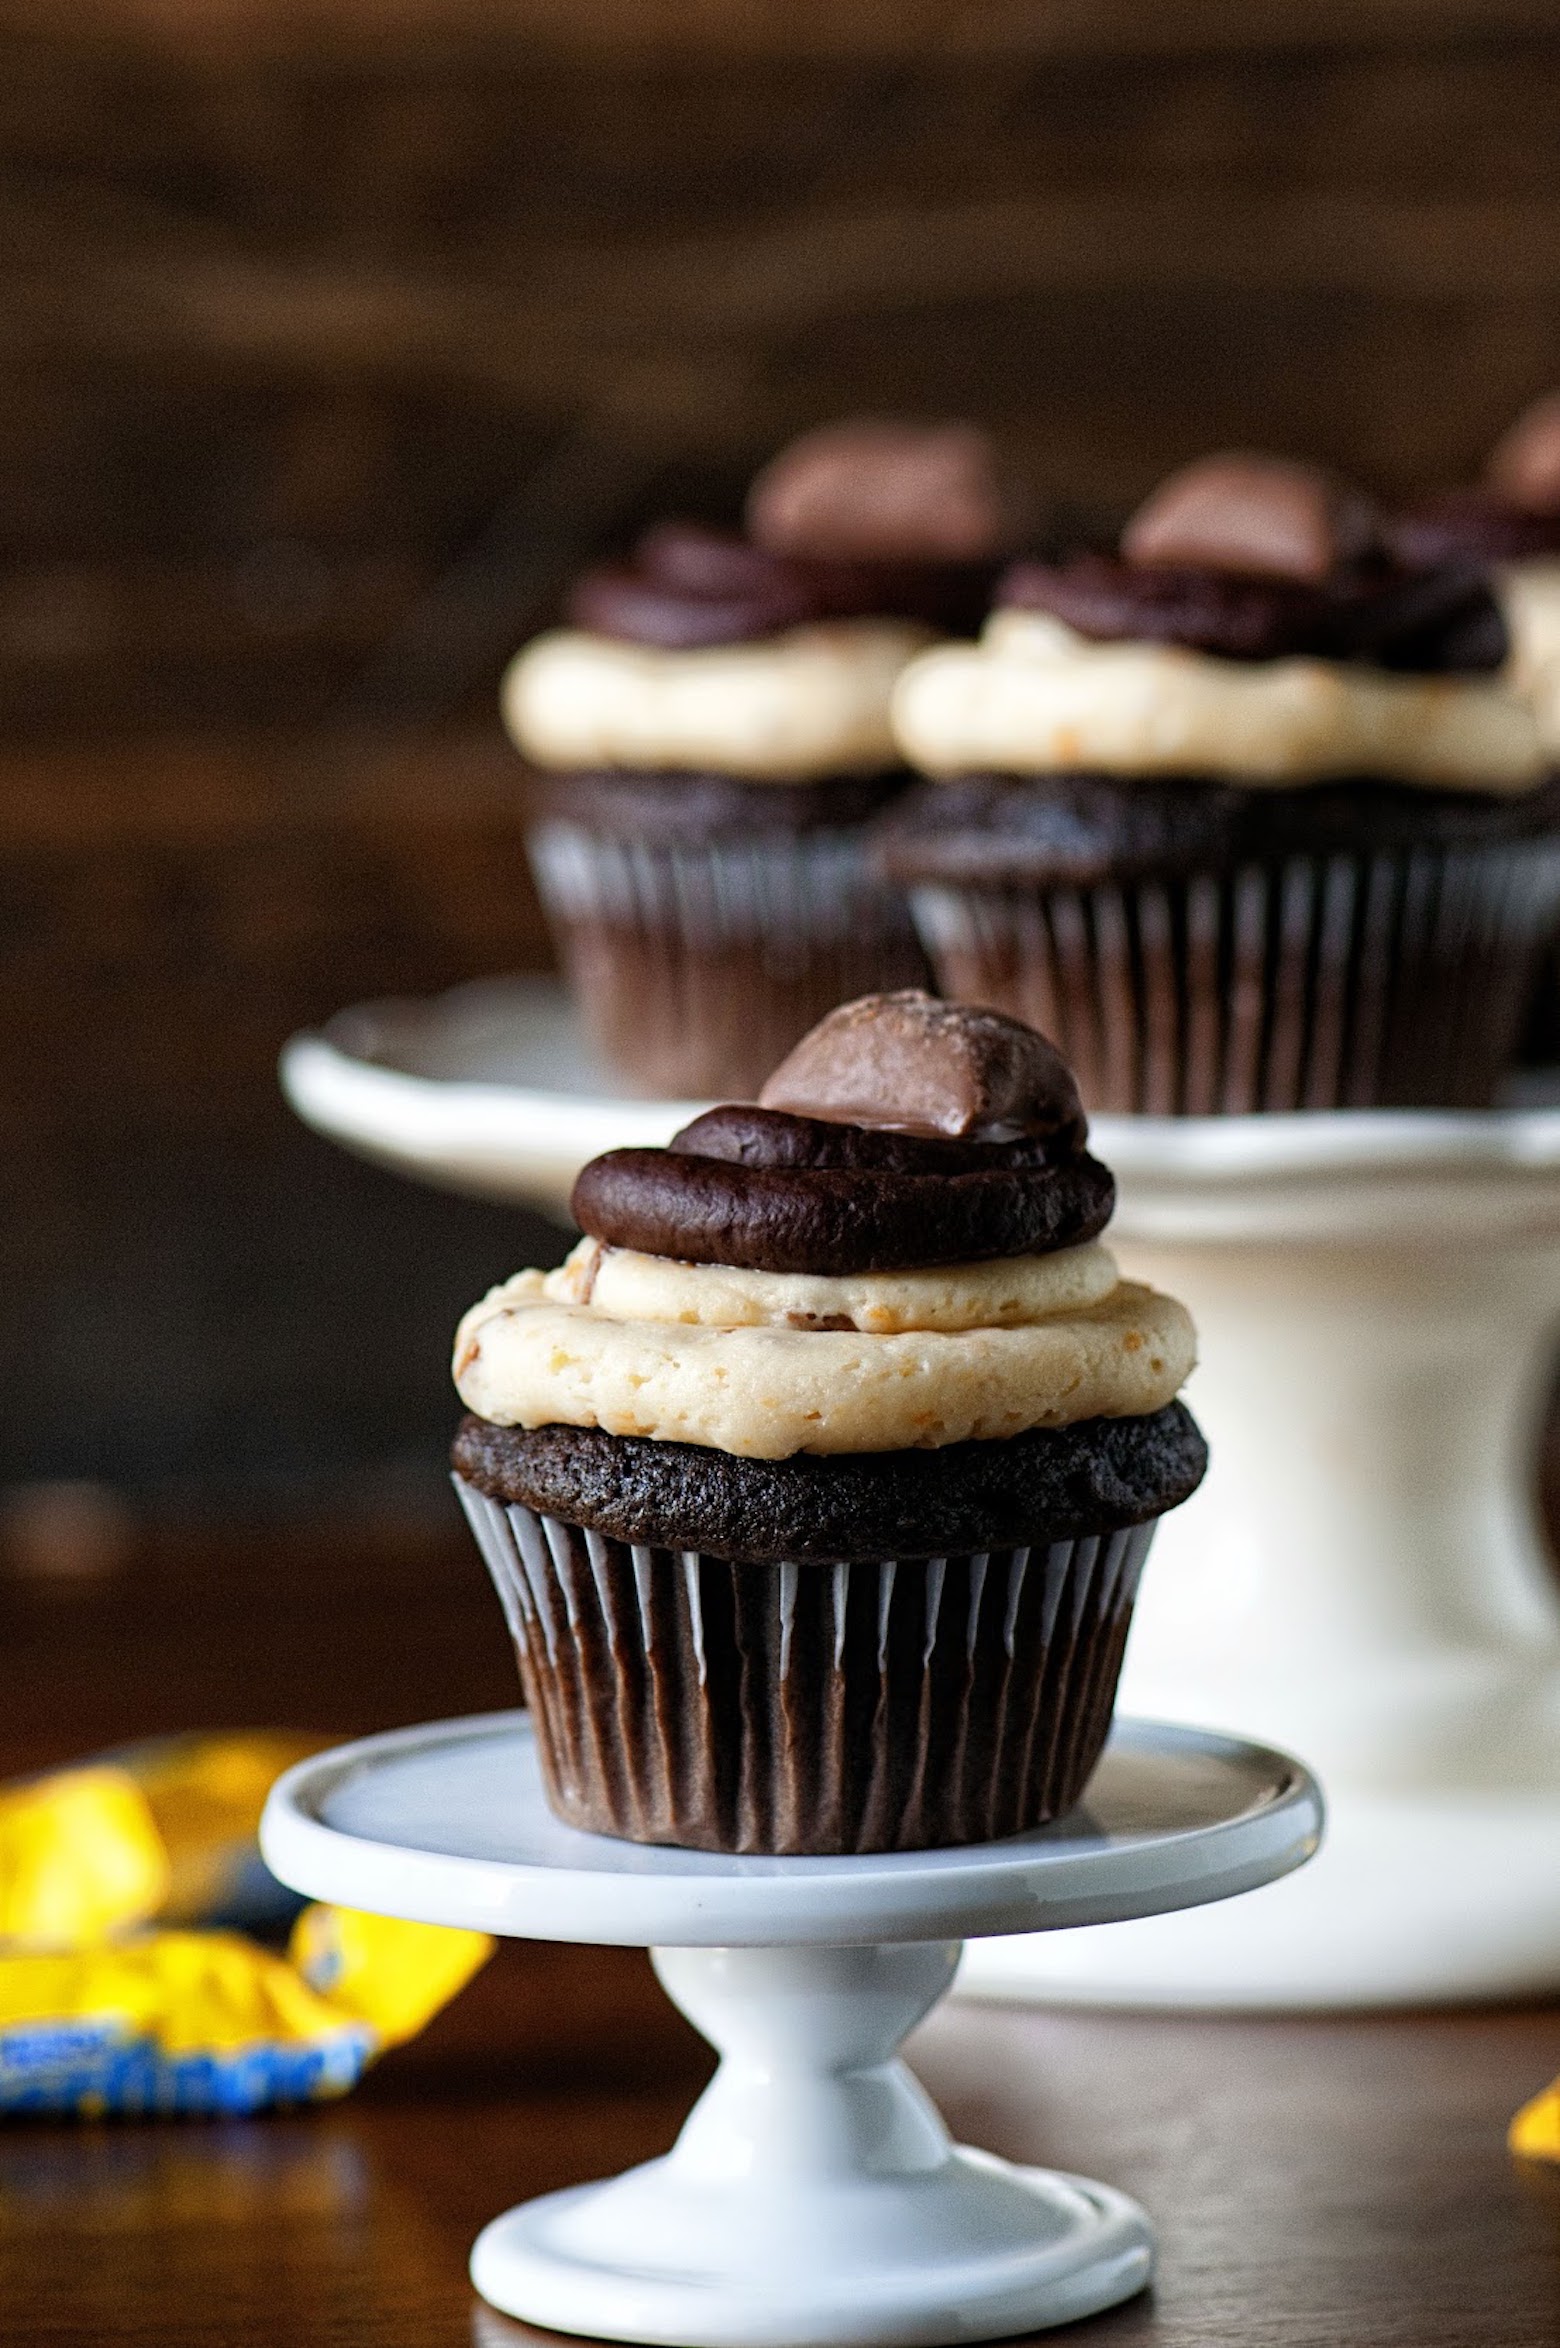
1372, 980
870, 1705
699, 963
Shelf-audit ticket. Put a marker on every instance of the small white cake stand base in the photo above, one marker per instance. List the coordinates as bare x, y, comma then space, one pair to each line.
814, 2195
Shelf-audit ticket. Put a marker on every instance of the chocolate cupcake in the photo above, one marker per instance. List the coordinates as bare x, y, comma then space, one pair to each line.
710, 734
817, 1483
1242, 814
1507, 525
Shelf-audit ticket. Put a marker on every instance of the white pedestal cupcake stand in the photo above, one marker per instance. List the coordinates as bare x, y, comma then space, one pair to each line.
1363, 1573
1377, 1297
813, 2195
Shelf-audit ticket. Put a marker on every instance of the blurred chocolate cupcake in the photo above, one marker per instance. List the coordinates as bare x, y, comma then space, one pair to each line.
817, 1483
1243, 815
709, 735
1507, 525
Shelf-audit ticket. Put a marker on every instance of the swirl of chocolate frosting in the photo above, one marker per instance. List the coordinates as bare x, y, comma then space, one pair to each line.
830, 1221
1395, 616
1471, 526
922, 1133
744, 1134
686, 588
1257, 558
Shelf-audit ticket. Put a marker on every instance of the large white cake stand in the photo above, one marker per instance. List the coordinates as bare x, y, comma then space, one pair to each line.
1361, 1576
1363, 1572
813, 2195
490, 1089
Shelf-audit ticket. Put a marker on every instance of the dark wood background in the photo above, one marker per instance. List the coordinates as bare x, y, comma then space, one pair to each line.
331, 333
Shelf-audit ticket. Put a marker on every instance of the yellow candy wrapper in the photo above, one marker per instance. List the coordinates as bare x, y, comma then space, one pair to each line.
205, 1794
390, 1974
172, 2022
100, 2015
1535, 2132
80, 1857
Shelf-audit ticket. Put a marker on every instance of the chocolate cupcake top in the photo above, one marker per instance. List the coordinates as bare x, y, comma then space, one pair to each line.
1254, 626
895, 1248
773, 656
1509, 525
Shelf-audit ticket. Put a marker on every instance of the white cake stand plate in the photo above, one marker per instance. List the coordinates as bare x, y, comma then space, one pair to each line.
489, 1089
1363, 1573
813, 2195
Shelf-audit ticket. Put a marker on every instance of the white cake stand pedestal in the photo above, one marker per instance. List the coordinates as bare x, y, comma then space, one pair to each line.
814, 2195
1362, 1573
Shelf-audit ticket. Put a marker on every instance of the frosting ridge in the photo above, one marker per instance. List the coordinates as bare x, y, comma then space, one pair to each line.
999, 1293
1034, 696
524, 1358
1530, 598
794, 707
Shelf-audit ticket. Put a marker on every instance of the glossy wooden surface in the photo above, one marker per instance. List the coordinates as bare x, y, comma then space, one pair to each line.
1323, 2185
1320, 2184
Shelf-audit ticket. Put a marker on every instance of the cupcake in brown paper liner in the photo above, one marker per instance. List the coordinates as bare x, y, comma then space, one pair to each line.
817, 1483
709, 734
1508, 524
1244, 815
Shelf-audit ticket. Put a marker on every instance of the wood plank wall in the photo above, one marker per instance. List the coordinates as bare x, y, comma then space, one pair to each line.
331, 334
289, 328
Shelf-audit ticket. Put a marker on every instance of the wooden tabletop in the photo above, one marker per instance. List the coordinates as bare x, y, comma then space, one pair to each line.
1316, 2184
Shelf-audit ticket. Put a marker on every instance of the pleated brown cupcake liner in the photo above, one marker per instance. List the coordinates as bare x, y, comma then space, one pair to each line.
1393, 980
698, 964
877, 1705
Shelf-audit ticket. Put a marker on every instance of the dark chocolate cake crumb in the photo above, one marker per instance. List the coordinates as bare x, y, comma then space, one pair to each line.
1051, 1484
1075, 830
631, 803
746, 1135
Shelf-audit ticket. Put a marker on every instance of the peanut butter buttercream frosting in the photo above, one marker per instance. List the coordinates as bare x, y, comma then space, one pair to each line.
1259, 626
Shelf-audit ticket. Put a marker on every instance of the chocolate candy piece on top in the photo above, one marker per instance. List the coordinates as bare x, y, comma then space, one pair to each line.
1524, 465
914, 1064
878, 491
1262, 516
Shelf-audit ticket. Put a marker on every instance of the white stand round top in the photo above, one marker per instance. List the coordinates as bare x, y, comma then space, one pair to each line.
491, 1089
449, 1824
